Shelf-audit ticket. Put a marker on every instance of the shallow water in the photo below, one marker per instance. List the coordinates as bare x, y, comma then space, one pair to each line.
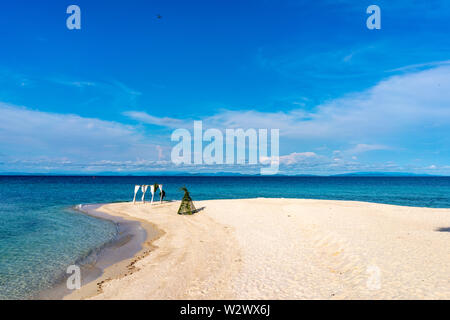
40, 235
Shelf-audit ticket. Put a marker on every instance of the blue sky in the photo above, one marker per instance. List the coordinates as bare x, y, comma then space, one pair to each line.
106, 98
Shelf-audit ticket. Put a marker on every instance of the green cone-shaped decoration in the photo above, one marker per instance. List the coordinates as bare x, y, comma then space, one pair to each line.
187, 206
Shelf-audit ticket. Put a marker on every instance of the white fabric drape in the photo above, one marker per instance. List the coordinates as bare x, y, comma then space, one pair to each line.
144, 190
152, 190
136, 190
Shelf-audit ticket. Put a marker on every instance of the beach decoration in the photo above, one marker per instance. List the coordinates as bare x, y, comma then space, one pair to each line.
144, 190
136, 190
152, 190
187, 206
161, 193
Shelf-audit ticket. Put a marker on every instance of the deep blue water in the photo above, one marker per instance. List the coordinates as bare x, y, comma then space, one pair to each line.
40, 235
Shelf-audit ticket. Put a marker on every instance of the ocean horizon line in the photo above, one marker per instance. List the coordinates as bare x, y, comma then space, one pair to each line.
223, 174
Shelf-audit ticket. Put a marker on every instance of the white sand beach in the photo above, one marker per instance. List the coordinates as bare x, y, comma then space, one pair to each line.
286, 249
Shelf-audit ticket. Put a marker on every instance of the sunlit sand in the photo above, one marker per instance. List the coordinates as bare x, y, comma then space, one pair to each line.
288, 249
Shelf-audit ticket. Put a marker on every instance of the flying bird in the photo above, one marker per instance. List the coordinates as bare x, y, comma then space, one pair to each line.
159, 16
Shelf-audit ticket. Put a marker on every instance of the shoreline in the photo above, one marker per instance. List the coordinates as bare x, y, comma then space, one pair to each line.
113, 261
313, 249
266, 248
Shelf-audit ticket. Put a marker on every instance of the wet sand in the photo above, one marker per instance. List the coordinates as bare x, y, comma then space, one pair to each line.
114, 260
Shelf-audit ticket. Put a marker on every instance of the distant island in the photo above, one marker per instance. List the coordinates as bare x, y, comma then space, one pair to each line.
221, 174
383, 174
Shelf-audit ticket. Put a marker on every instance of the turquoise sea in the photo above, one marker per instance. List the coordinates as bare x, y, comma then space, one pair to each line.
41, 234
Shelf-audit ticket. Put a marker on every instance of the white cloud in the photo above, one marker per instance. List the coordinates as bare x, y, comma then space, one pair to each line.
163, 122
70, 83
412, 108
362, 147
408, 112
394, 107
298, 157
30, 134
420, 66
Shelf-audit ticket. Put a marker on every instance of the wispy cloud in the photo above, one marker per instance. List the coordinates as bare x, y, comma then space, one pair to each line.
393, 106
421, 66
362, 147
73, 83
31, 134
112, 92
399, 113
323, 63
407, 112
149, 119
